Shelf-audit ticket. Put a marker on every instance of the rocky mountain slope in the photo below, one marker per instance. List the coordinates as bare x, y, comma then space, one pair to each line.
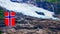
32, 25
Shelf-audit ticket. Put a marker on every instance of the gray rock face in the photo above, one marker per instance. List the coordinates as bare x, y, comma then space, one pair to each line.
28, 21
32, 25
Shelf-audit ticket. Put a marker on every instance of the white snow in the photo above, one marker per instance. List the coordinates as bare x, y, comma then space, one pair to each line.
26, 9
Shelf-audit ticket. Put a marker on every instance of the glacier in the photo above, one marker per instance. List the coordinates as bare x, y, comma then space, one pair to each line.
27, 9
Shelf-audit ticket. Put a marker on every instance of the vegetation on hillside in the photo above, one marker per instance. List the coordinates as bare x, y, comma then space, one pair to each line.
1, 13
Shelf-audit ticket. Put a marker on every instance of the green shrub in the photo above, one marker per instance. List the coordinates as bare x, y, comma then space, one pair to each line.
1, 14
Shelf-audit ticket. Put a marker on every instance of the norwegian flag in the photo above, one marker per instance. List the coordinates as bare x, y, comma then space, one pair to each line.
9, 18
